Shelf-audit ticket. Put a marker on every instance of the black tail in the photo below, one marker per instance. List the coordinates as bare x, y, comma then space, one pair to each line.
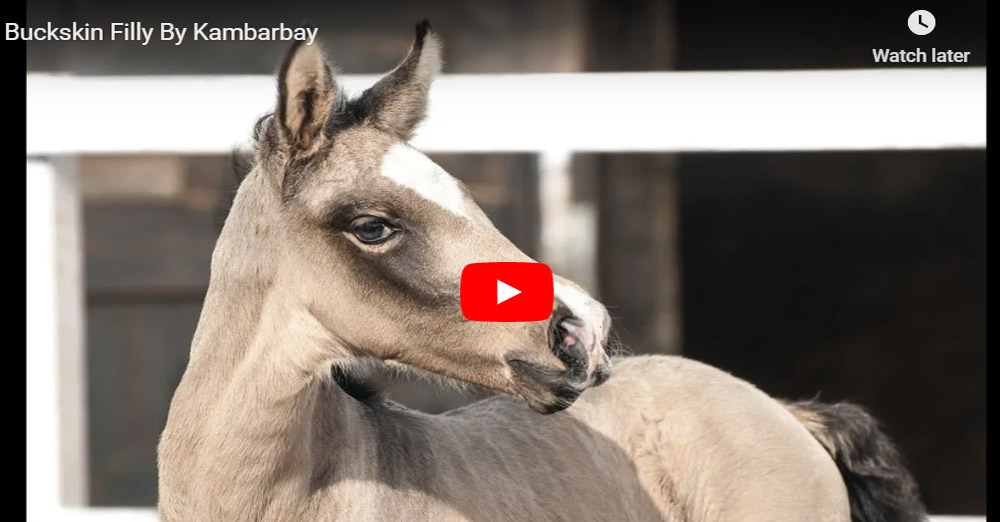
879, 486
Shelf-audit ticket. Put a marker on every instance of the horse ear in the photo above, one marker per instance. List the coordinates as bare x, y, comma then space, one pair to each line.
398, 102
307, 94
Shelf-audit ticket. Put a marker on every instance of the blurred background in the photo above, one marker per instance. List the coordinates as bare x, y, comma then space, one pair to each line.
860, 276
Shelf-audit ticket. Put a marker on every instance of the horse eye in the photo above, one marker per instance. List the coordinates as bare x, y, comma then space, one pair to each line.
371, 230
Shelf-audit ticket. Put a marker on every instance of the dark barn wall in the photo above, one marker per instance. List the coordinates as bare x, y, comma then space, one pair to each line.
635, 194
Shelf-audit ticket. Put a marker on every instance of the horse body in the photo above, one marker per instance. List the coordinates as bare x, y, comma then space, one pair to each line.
344, 245
667, 439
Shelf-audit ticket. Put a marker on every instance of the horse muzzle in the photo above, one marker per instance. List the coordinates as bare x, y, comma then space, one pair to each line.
578, 338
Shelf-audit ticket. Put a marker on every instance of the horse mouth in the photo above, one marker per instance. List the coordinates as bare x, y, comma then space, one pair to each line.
549, 390
545, 390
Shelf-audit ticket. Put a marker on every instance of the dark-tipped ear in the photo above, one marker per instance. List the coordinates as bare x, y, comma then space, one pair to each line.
398, 102
307, 94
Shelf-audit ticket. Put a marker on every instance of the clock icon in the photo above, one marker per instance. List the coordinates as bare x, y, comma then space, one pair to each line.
921, 22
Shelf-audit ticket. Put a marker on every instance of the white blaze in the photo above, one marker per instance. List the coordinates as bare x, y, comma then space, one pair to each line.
408, 167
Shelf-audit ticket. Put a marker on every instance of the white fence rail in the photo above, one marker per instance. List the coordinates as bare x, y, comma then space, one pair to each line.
696, 111
552, 115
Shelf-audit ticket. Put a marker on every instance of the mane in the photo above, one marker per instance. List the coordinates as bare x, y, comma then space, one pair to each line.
348, 112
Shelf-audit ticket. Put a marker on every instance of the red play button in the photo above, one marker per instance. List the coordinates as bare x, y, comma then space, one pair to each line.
506, 292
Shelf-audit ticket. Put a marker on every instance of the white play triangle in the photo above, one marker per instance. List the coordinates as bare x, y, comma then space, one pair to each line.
505, 291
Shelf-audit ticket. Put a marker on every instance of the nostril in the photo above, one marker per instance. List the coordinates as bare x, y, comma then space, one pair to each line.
565, 332
567, 345
568, 330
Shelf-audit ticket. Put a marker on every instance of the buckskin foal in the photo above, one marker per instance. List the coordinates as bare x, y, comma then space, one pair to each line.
344, 244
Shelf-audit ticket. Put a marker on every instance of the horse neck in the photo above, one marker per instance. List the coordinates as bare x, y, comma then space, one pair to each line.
244, 411
236, 316
247, 308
